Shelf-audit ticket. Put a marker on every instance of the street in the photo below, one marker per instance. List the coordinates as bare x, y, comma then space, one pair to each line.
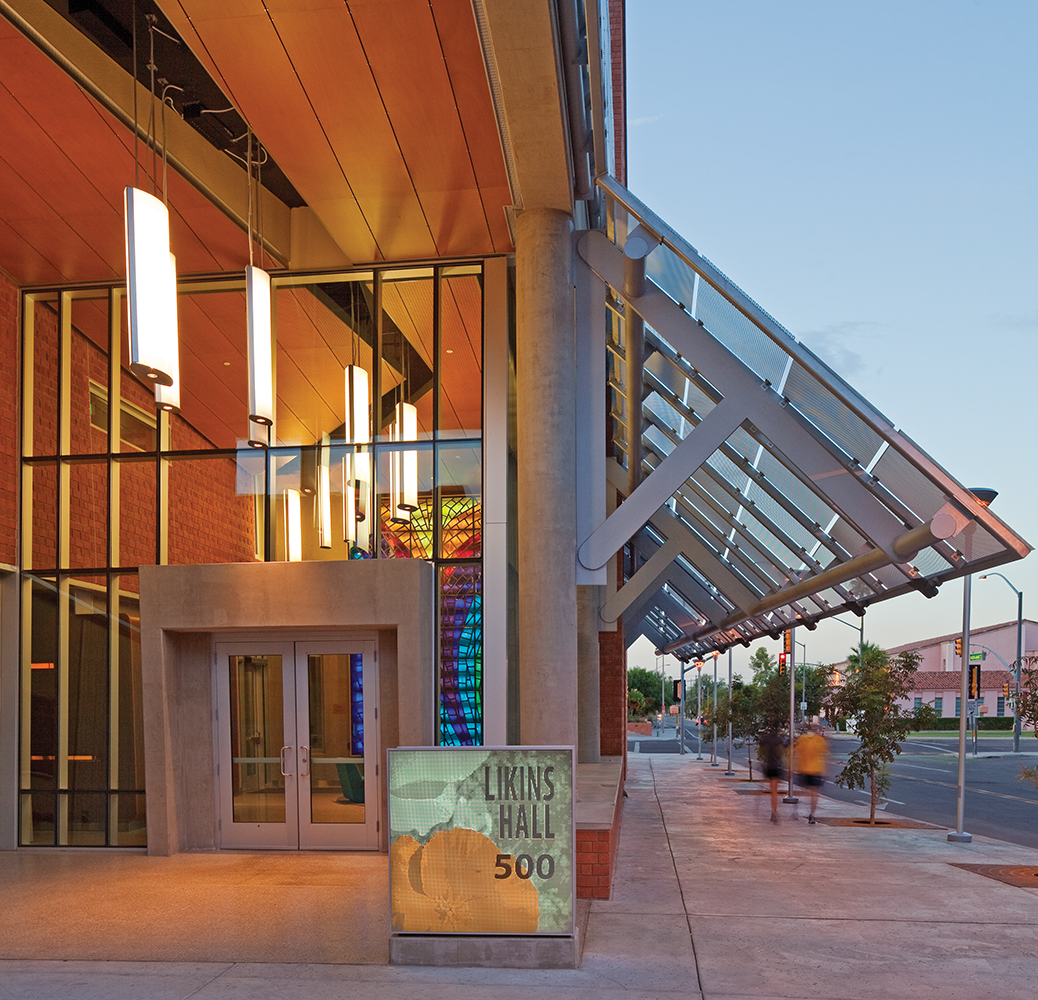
924, 780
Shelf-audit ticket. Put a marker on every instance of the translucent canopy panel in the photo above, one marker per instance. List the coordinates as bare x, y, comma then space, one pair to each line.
763, 491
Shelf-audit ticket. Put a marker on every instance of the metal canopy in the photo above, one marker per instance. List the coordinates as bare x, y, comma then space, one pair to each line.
765, 492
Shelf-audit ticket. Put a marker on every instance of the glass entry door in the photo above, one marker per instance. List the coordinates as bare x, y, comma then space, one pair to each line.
295, 735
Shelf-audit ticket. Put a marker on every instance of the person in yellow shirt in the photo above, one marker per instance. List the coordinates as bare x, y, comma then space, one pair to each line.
811, 754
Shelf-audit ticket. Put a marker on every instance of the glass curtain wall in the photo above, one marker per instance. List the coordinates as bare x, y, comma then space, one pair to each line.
109, 484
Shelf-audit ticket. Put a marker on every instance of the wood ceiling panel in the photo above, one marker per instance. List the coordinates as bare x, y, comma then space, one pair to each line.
23, 261
214, 395
28, 214
403, 48
74, 160
463, 54
334, 71
263, 84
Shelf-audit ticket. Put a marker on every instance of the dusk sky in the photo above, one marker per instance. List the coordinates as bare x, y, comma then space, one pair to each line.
868, 172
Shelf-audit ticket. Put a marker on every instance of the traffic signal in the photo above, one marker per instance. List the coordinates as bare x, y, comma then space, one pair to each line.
958, 647
787, 641
1005, 689
782, 663
974, 691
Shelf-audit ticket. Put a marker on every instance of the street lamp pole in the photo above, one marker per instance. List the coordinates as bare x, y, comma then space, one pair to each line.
699, 709
791, 633
960, 836
713, 711
729, 771
984, 496
1019, 654
803, 685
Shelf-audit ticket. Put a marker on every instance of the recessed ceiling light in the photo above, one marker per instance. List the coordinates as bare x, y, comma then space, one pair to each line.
227, 364
449, 351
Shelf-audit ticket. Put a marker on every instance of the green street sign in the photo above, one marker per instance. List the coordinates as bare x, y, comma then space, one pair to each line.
977, 656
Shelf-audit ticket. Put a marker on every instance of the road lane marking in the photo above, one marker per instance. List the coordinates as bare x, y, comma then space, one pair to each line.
969, 788
923, 767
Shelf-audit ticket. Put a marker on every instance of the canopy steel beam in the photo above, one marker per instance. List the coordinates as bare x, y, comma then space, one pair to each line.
777, 425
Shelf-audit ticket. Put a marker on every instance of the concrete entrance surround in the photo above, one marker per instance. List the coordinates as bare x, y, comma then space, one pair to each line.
184, 607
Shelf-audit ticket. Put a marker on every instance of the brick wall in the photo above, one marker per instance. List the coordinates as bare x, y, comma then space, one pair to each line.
613, 692
596, 857
618, 56
211, 520
9, 340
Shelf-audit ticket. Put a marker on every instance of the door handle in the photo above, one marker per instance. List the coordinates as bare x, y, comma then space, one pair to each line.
282, 755
305, 753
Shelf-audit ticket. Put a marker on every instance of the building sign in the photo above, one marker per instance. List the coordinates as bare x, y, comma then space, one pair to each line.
481, 841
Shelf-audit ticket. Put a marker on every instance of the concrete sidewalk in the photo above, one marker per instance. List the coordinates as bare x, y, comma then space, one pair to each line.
710, 900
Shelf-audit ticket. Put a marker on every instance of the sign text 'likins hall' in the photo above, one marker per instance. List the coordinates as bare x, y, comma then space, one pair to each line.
533, 788
481, 840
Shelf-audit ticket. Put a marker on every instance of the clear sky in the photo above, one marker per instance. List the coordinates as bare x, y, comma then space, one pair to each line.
868, 172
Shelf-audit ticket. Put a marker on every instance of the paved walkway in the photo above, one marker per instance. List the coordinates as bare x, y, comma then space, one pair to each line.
710, 901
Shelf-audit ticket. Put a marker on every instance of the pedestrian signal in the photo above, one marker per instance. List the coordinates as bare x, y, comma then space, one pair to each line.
958, 647
782, 663
974, 691
677, 690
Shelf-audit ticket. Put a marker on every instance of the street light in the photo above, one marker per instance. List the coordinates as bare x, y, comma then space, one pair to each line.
713, 712
803, 687
729, 771
984, 496
1019, 653
699, 709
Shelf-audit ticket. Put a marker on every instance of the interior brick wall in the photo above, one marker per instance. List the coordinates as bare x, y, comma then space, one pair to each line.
211, 517
9, 353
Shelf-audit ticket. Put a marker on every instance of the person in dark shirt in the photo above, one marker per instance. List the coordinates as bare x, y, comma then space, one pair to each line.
771, 755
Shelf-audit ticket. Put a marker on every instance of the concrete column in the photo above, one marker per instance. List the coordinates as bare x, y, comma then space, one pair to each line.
589, 700
546, 414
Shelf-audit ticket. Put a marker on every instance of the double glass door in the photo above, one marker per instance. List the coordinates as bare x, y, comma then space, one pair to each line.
296, 731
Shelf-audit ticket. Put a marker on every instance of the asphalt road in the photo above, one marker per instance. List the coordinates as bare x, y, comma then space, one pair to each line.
924, 782
924, 786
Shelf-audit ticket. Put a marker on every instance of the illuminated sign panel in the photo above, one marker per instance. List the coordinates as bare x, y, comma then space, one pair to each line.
481, 840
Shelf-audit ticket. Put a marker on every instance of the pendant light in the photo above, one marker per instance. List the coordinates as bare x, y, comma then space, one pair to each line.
404, 465
260, 333
150, 286
293, 527
324, 494
168, 397
260, 355
357, 466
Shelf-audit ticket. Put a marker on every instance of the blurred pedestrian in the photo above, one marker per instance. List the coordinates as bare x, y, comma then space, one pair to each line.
771, 757
812, 752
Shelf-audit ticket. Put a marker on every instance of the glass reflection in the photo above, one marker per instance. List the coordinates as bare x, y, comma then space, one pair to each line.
257, 736
336, 704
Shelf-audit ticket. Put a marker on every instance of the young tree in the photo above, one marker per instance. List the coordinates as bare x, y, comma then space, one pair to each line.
1027, 707
868, 699
1027, 701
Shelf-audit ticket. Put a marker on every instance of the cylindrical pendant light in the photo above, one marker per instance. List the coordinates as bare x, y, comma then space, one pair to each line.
324, 494
261, 354
153, 339
404, 466
167, 397
293, 527
358, 420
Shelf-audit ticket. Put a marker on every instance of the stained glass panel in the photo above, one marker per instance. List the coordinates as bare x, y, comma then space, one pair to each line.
461, 656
